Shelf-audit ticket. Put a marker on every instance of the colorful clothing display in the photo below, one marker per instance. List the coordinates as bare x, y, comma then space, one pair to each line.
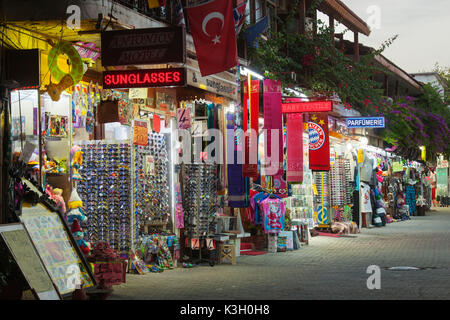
274, 211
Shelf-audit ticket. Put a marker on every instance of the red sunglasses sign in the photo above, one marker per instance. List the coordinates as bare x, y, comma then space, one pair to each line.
145, 78
291, 106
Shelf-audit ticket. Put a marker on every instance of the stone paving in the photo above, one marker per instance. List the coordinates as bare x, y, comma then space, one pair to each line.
328, 268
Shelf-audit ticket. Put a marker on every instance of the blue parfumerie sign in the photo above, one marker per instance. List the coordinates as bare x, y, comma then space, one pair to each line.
366, 122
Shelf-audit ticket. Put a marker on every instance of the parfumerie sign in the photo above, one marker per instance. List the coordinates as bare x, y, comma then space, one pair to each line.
144, 78
143, 46
367, 122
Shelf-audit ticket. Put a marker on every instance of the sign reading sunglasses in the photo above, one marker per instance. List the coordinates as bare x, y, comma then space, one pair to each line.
144, 78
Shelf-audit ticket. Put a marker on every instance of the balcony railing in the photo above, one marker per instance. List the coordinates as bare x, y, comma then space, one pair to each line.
164, 14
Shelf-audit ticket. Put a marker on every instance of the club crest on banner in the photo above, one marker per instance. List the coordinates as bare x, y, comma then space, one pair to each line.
316, 136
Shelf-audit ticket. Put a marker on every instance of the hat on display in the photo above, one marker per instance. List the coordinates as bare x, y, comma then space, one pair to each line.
75, 200
76, 226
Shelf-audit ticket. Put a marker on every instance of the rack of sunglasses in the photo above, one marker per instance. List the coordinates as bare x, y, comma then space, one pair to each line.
105, 191
151, 188
321, 179
199, 199
340, 183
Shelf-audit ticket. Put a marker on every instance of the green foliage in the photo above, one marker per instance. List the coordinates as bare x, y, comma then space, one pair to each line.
319, 66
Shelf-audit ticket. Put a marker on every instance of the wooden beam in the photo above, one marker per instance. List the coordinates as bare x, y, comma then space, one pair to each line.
386, 85
252, 12
302, 16
264, 7
356, 46
331, 24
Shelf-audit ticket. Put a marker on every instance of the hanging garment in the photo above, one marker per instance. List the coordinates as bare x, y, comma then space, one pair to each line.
273, 120
237, 184
255, 202
274, 214
366, 171
355, 207
411, 199
366, 205
294, 128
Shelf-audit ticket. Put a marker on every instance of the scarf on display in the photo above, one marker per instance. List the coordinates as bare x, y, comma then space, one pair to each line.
319, 143
273, 119
294, 128
179, 207
251, 94
237, 197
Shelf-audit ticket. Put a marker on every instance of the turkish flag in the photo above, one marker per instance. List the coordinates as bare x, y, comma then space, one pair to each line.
212, 28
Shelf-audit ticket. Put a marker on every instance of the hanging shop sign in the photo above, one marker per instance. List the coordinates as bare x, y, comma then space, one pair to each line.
143, 46
319, 143
291, 106
23, 66
366, 122
222, 83
144, 78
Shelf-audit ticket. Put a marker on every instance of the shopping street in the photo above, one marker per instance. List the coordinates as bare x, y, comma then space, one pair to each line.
327, 268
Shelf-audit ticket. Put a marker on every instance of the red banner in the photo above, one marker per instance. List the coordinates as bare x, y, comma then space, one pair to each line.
273, 119
294, 131
250, 168
292, 106
212, 29
319, 142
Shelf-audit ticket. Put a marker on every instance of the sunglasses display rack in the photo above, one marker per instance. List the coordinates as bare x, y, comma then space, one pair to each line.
151, 188
105, 191
199, 199
301, 201
321, 179
340, 183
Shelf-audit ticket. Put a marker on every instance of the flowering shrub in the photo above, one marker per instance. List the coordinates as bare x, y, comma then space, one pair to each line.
413, 122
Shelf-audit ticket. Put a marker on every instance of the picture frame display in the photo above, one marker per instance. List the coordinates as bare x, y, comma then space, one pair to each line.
56, 246
24, 252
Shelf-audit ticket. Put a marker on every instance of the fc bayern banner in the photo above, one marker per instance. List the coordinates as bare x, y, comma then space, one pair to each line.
319, 142
213, 32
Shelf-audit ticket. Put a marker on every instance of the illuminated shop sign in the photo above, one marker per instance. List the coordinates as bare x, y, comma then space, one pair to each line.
311, 106
143, 46
145, 78
366, 122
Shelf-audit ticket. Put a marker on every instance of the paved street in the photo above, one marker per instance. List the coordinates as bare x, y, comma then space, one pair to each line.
329, 268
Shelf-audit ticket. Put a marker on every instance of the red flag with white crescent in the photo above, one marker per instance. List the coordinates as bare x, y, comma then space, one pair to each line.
212, 29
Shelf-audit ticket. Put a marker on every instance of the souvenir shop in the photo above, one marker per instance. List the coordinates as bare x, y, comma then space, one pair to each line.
409, 189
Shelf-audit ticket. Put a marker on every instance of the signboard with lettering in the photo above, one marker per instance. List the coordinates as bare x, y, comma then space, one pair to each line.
144, 78
366, 122
222, 83
143, 46
309, 106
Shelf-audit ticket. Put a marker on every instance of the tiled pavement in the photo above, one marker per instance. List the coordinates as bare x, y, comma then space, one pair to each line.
328, 268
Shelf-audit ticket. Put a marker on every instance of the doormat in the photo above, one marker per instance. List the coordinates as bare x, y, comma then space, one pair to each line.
334, 235
252, 253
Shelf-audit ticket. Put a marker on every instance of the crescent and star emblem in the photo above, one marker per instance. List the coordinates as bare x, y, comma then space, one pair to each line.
208, 17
